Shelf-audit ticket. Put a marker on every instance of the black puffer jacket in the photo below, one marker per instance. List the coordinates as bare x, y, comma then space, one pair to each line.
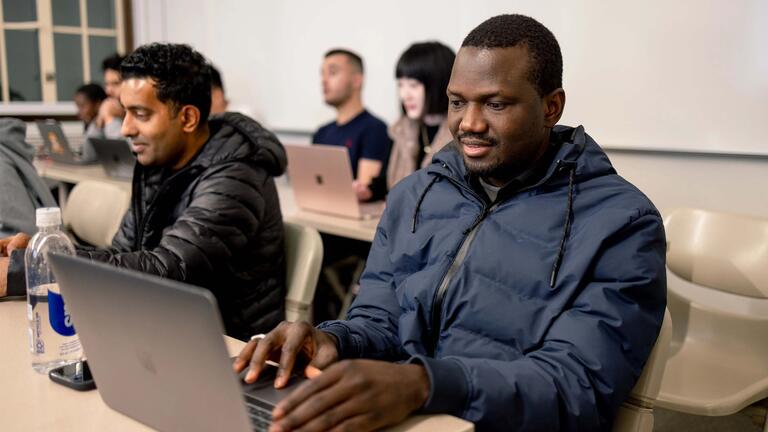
216, 223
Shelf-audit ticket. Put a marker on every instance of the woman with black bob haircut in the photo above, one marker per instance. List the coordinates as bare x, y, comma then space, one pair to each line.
422, 73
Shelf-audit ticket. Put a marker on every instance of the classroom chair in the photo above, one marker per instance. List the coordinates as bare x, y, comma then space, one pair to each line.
303, 258
94, 211
636, 413
718, 296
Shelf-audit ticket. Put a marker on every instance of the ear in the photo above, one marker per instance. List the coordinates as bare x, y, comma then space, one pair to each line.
189, 116
554, 104
357, 80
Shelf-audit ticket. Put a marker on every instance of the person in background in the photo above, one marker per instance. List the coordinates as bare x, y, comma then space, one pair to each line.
110, 118
366, 140
88, 99
219, 100
422, 74
21, 189
364, 135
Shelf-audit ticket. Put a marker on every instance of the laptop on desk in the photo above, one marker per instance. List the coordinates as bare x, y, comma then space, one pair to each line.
115, 156
56, 144
321, 178
156, 350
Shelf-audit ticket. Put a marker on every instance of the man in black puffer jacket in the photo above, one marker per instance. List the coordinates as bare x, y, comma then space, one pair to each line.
204, 207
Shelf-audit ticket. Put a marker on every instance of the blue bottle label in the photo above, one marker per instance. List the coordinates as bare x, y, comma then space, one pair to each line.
59, 316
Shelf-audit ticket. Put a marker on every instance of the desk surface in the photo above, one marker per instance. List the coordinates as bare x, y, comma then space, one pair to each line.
75, 173
363, 230
32, 402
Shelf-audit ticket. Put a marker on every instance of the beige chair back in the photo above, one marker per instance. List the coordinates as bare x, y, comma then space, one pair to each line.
94, 211
727, 252
717, 283
303, 259
636, 413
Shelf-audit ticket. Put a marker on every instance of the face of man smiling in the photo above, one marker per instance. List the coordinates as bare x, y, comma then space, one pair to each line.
158, 132
496, 114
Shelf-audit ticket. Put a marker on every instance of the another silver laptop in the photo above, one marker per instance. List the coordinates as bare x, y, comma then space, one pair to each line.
321, 178
156, 350
56, 144
115, 156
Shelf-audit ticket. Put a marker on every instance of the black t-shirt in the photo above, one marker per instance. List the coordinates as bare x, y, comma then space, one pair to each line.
365, 137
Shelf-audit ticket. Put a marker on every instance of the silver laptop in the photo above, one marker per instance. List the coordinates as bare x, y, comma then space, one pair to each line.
321, 178
115, 156
56, 144
156, 350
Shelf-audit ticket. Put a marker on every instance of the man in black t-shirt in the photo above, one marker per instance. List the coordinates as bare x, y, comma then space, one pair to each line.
364, 135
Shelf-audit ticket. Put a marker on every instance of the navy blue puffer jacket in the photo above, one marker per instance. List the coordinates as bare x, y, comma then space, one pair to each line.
536, 312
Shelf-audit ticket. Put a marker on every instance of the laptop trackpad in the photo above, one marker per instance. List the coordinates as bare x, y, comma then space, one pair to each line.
264, 387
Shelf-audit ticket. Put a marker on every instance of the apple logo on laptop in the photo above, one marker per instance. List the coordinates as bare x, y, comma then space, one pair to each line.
145, 360
318, 179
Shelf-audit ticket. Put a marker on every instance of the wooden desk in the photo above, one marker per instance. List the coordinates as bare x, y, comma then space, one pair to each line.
32, 402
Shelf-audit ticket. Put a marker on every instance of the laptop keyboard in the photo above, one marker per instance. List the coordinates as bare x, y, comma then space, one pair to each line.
259, 412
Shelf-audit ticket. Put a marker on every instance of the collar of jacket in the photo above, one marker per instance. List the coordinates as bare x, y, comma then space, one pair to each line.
449, 162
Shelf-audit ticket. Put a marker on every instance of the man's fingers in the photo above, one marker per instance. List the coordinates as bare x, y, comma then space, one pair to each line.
245, 355
312, 372
322, 410
294, 340
19, 241
12, 246
304, 391
260, 354
3, 246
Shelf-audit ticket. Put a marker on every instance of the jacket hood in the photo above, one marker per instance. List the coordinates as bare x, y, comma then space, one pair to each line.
238, 137
12, 134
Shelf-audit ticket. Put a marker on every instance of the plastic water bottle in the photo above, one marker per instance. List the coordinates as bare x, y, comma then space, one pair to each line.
52, 338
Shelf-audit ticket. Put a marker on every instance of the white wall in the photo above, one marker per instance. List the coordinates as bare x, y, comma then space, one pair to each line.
733, 184
685, 75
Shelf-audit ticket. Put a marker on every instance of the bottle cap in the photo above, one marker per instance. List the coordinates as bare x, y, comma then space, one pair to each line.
48, 216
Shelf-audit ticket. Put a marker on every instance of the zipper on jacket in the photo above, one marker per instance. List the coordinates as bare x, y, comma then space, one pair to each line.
148, 210
150, 207
458, 260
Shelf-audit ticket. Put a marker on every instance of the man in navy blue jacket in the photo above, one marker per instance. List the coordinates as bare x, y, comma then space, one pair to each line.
517, 282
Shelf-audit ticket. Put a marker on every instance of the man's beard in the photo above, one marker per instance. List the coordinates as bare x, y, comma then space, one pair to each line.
478, 168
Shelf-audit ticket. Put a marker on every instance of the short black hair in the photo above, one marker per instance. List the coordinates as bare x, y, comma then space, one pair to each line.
182, 75
430, 63
216, 81
92, 92
112, 62
505, 31
355, 59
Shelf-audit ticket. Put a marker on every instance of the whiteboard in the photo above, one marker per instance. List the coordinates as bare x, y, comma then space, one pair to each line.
681, 75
